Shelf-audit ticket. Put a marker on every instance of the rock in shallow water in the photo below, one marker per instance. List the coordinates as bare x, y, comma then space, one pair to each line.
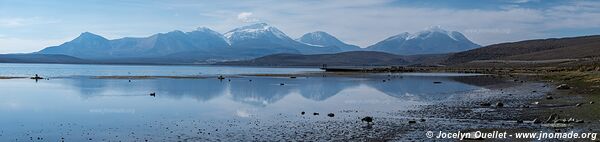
563, 87
499, 104
485, 104
367, 119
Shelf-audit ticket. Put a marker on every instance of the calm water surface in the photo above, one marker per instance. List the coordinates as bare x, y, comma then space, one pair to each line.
67, 70
82, 108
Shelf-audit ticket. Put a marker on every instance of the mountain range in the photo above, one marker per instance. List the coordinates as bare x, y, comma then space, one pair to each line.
256, 40
562, 52
553, 52
431, 41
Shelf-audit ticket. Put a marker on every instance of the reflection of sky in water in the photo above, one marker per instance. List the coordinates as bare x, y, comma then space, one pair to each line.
64, 70
97, 103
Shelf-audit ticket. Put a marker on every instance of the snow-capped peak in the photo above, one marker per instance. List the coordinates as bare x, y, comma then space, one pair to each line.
253, 30
433, 30
204, 29
324, 39
318, 34
402, 36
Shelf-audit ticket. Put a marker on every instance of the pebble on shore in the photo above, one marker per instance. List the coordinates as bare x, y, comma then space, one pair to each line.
367, 119
485, 104
563, 87
499, 104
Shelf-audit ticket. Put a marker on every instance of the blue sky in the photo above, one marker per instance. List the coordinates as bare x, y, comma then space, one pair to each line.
27, 26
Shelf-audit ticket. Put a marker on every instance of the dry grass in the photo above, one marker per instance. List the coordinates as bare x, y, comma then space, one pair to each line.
586, 85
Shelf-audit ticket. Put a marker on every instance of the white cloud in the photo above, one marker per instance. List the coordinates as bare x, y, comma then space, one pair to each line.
11, 22
242, 113
524, 1
367, 22
246, 17
21, 22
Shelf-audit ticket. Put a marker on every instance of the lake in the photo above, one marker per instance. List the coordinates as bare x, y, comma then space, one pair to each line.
73, 105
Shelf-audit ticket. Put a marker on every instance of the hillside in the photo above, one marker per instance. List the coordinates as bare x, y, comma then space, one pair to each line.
352, 58
40, 58
530, 50
324, 39
431, 41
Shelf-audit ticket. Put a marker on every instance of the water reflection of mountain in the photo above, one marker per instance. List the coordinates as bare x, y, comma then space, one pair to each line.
86, 87
259, 92
264, 91
200, 89
420, 88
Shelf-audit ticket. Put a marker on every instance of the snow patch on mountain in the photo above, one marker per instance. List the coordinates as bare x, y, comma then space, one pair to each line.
254, 31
